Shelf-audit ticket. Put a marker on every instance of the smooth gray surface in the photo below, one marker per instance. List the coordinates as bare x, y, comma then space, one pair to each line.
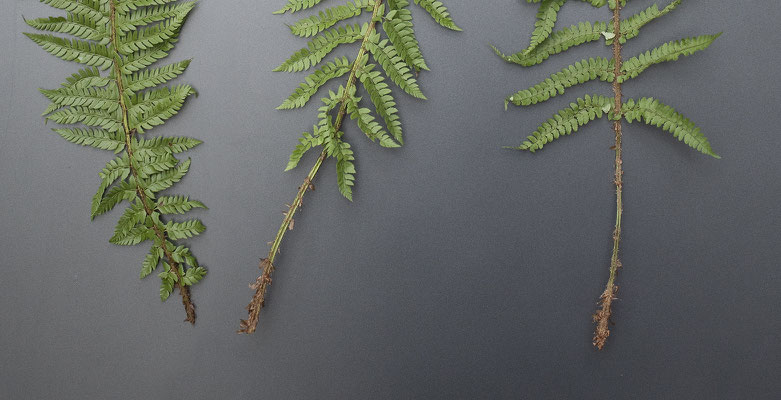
460, 271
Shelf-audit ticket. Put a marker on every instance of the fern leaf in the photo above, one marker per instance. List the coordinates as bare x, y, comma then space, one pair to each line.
150, 78
133, 215
319, 47
78, 8
124, 191
184, 230
153, 108
546, 19
144, 58
93, 98
151, 14
439, 12
584, 32
667, 52
630, 27
177, 204
135, 236
151, 261
297, 5
580, 72
367, 124
74, 24
401, 34
345, 169
315, 24
163, 145
164, 180
305, 143
97, 138
653, 112
566, 121
80, 51
394, 66
315, 81
95, 118
382, 98
147, 38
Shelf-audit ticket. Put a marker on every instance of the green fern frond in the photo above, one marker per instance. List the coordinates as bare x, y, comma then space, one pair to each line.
319, 47
111, 111
297, 5
585, 32
399, 56
653, 112
439, 12
401, 33
546, 42
580, 72
602, 69
315, 81
394, 66
315, 24
546, 19
382, 98
566, 121
664, 53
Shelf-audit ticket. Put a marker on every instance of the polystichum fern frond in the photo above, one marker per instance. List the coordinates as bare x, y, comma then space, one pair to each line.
396, 57
546, 42
112, 110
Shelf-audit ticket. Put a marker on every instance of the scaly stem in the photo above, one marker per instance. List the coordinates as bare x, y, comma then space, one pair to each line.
267, 264
189, 307
602, 317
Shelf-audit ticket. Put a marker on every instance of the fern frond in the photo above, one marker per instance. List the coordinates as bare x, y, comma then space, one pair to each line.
439, 12
297, 5
580, 72
367, 123
80, 51
584, 32
568, 120
97, 138
394, 66
382, 98
546, 19
152, 14
80, 9
73, 24
653, 112
184, 230
319, 47
108, 111
345, 169
667, 52
164, 180
177, 204
315, 81
315, 24
401, 34
630, 27
153, 77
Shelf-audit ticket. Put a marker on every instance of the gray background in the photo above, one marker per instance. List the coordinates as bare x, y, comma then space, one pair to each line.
460, 271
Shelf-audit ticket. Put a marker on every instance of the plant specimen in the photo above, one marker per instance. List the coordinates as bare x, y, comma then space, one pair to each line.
114, 110
397, 55
546, 42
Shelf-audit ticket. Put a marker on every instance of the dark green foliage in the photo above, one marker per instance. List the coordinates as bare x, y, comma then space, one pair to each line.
397, 58
550, 43
112, 110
